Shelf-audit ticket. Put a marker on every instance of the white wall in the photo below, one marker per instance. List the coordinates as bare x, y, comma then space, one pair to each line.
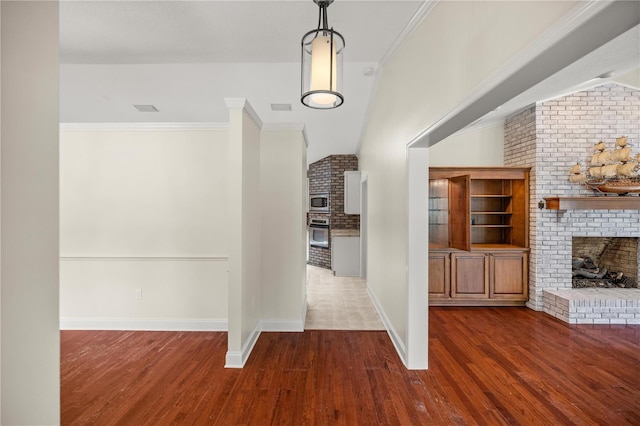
30, 362
456, 47
143, 209
244, 225
283, 164
631, 78
476, 147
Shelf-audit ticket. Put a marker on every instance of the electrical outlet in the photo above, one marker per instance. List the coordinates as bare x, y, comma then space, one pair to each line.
138, 293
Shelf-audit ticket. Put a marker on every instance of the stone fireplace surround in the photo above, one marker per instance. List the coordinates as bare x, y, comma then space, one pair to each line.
549, 137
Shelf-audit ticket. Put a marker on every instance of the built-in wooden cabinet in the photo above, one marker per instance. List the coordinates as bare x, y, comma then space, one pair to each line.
479, 236
469, 276
439, 274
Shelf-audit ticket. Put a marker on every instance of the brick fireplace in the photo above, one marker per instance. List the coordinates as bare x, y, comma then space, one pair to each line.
550, 137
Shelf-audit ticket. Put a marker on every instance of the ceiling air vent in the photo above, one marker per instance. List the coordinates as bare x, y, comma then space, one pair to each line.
280, 107
146, 108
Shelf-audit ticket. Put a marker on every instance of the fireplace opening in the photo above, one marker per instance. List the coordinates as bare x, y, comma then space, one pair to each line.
605, 262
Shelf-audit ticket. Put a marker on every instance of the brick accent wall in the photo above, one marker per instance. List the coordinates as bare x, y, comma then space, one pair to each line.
566, 130
327, 175
320, 176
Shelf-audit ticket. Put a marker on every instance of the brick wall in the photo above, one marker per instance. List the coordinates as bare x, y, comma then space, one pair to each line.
566, 130
327, 175
320, 176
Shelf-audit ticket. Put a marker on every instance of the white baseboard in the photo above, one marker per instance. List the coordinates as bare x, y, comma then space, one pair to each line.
143, 324
304, 311
395, 338
237, 359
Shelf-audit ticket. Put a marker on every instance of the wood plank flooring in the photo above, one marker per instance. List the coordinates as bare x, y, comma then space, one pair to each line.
488, 366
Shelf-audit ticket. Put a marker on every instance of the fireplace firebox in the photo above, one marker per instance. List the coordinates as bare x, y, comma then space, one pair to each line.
605, 262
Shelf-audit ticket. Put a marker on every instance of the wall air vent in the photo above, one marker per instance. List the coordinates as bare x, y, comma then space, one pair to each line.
146, 108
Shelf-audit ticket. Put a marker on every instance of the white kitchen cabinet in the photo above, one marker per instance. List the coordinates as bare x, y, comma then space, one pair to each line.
345, 256
352, 192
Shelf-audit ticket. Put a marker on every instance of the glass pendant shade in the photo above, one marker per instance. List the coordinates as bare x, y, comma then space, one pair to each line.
322, 68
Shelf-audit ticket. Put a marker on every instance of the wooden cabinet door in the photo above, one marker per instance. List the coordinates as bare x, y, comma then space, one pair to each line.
459, 213
509, 275
439, 275
469, 275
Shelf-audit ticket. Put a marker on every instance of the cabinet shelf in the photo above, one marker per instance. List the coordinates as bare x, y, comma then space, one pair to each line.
478, 206
479, 213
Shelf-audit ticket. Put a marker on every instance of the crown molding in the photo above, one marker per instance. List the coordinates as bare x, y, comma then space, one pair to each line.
243, 104
135, 127
422, 12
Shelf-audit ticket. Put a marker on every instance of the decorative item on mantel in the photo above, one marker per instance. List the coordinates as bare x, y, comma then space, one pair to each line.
614, 171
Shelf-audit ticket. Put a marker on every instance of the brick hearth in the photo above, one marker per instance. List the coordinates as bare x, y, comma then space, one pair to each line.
550, 137
594, 305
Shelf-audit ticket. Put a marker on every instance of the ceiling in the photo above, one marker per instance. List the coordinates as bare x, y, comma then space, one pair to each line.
185, 57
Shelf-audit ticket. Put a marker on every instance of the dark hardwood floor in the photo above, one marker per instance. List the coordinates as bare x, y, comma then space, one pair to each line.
487, 366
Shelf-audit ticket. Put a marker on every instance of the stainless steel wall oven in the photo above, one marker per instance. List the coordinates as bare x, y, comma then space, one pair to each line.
319, 232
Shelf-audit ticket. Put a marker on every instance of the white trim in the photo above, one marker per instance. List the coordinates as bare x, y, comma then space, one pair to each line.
395, 338
576, 17
139, 127
243, 104
143, 258
408, 29
417, 19
237, 359
304, 309
481, 124
282, 325
417, 252
70, 323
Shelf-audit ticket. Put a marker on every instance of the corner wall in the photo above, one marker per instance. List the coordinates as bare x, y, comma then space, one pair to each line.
482, 146
30, 345
244, 231
412, 96
283, 190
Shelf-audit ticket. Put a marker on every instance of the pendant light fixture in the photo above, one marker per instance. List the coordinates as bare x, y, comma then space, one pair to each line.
322, 64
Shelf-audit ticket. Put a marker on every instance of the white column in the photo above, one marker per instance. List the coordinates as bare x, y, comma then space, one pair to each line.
30, 338
417, 258
244, 231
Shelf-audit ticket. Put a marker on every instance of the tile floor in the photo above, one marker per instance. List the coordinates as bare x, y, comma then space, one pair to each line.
338, 303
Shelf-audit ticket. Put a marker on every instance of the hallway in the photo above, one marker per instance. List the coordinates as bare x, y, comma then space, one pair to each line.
338, 303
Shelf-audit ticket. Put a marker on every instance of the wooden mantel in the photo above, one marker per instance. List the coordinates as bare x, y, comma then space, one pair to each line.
629, 202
